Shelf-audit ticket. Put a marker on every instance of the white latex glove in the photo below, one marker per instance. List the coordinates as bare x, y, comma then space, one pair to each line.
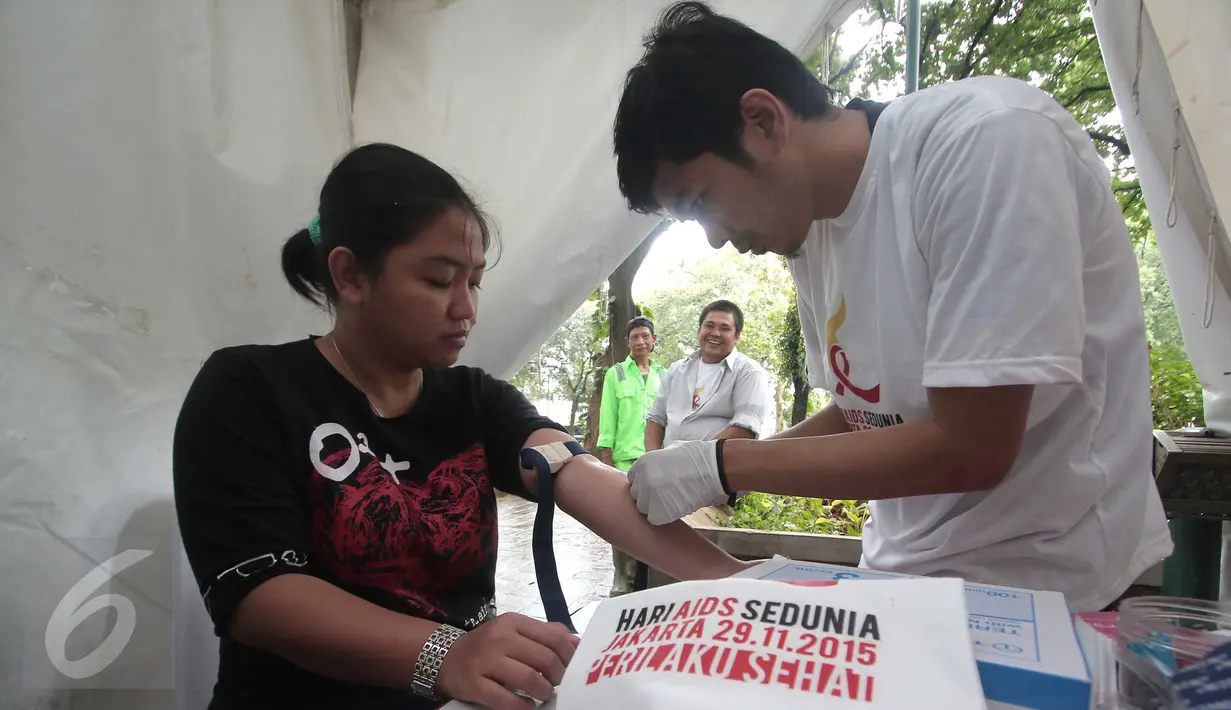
673, 482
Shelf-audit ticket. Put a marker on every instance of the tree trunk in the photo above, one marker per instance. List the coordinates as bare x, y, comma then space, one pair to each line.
799, 407
572, 415
620, 305
601, 362
778, 402
620, 310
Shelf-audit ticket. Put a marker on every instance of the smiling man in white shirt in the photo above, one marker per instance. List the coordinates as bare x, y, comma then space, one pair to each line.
968, 295
716, 392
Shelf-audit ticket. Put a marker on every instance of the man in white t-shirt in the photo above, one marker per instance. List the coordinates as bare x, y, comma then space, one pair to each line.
716, 392
968, 295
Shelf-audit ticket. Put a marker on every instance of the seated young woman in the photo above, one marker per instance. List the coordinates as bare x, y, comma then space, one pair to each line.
336, 495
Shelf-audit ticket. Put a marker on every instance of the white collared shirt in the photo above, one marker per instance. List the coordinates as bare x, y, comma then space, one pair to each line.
739, 398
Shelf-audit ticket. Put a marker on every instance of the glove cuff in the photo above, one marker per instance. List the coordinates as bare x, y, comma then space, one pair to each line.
722, 473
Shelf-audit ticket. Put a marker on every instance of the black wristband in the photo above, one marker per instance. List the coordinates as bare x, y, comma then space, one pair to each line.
722, 473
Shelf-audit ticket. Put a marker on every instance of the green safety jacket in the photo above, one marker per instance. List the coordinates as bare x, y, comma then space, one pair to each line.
627, 396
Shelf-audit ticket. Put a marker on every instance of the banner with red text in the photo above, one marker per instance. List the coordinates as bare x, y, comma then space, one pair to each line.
751, 643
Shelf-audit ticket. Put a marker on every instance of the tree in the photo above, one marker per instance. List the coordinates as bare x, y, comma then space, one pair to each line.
1052, 45
620, 310
758, 285
1049, 43
561, 370
793, 368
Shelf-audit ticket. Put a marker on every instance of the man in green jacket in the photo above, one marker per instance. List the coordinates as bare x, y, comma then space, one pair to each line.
628, 391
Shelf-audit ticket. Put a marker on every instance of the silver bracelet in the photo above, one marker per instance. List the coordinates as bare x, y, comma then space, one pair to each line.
427, 669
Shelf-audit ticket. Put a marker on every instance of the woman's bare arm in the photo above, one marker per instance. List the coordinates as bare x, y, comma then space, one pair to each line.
331, 632
597, 495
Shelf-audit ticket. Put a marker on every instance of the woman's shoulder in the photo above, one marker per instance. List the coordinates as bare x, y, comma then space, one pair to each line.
475, 388
248, 365
249, 357
465, 374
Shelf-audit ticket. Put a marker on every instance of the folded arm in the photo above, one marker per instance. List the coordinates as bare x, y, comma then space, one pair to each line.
656, 418
654, 435
347, 638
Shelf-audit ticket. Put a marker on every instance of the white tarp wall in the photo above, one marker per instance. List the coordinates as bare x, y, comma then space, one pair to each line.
518, 99
155, 154
1168, 62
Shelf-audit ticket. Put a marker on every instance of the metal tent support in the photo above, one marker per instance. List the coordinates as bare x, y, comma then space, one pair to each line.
913, 15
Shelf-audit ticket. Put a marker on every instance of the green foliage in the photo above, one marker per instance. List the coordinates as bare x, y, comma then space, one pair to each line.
762, 511
1162, 323
562, 370
1049, 43
758, 285
792, 363
1174, 389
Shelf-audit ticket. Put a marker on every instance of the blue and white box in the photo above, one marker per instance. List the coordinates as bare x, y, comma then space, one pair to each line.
1024, 641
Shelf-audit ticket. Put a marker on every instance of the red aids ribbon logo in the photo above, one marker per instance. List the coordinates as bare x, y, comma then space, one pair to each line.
841, 364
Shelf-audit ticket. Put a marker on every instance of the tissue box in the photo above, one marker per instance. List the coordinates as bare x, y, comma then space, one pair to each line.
1024, 642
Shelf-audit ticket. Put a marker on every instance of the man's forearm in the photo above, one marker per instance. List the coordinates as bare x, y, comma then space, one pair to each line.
654, 433
604, 455
911, 459
829, 420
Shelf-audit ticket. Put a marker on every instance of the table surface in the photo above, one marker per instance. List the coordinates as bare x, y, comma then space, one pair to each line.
580, 619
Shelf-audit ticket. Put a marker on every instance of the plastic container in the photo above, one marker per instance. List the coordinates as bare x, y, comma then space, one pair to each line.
1159, 637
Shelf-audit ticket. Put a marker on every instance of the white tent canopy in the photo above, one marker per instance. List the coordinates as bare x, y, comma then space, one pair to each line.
1167, 60
156, 152
519, 99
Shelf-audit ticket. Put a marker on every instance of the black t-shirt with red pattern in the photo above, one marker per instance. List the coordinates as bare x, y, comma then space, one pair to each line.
281, 467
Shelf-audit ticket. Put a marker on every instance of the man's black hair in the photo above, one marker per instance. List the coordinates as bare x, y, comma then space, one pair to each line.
722, 305
683, 98
640, 322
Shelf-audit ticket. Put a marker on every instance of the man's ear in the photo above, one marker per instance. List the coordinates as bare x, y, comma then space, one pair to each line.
765, 123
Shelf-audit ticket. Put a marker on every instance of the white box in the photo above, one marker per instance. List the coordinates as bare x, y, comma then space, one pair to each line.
1024, 642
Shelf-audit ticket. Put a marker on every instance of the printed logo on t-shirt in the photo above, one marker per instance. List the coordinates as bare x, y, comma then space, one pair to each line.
856, 419
416, 539
841, 364
358, 447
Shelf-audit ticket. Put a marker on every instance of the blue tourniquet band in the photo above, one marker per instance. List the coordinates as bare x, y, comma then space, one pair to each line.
554, 604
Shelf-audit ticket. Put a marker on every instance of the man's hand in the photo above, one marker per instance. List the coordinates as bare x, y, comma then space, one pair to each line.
604, 455
673, 482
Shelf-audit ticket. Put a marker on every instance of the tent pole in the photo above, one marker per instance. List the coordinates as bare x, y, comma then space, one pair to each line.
913, 15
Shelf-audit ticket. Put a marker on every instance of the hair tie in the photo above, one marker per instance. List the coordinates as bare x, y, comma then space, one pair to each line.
314, 229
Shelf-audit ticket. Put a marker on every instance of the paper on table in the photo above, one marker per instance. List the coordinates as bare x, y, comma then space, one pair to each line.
1023, 640
752, 643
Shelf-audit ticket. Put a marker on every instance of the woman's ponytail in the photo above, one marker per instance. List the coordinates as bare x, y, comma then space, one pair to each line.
376, 198
301, 264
